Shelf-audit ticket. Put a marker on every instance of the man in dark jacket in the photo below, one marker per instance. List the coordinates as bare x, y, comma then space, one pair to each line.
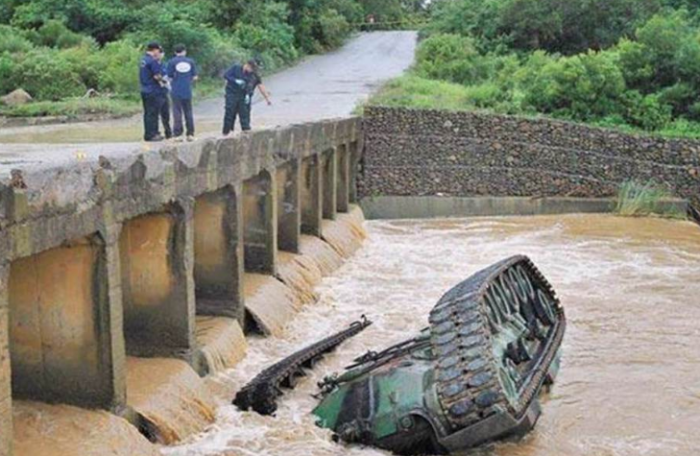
241, 82
182, 72
150, 78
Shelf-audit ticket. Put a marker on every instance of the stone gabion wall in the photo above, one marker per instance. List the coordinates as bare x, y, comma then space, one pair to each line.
427, 152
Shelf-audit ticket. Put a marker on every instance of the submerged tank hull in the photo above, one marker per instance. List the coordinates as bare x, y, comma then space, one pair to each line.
474, 375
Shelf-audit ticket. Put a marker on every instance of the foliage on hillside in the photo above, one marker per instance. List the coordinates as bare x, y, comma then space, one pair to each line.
622, 63
58, 49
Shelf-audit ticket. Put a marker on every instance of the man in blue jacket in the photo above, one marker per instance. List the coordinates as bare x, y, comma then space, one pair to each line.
182, 72
150, 78
241, 82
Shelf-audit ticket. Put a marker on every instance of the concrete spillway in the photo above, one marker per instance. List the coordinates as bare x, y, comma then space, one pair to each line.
123, 282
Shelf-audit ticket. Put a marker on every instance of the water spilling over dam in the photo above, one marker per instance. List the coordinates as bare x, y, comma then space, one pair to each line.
124, 281
628, 384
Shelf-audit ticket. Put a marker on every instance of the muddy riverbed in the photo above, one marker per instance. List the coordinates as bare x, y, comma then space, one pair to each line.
629, 383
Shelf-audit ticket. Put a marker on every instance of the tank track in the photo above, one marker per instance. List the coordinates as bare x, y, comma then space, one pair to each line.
261, 393
462, 325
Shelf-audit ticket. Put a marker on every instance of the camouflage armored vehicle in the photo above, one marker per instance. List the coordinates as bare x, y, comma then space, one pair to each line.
474, 375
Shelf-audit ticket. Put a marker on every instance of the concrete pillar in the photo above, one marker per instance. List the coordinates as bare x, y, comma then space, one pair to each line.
114, 313
5, 374
329, 181
311, 196
343, 179
156, 252
354, 169
64, 344
288, 209
260, 223
218, 255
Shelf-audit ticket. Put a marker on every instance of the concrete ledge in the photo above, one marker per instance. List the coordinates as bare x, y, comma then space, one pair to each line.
419, 207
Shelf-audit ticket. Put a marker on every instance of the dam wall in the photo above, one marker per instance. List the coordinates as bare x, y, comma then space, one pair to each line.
446, 160
136, 256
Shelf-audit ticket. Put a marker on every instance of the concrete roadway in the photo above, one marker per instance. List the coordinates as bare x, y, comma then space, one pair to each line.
319, 87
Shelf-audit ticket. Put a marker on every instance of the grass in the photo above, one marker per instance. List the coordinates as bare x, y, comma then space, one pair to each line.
74, 107
411, 91
636, 199
416, 92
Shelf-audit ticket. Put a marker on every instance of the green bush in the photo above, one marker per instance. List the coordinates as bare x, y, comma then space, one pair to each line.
662, 37
582, 87
118, 65
476, 18
449, 57
264, 31
486, 95
103, 20
12, 40
333, 29
7, 72
636, 63
320, 25
47, 75
680, 97
85, 61
54, 33
647, 111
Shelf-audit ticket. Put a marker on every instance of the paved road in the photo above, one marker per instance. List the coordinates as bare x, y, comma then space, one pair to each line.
320, 87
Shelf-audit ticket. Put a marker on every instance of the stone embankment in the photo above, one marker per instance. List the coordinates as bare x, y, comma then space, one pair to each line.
465, 154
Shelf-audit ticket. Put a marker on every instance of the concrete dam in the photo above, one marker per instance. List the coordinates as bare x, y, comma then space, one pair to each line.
139, 291
125, 281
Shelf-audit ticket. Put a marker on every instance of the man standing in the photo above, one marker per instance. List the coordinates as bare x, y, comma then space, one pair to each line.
150, 77
182, 71
241, 82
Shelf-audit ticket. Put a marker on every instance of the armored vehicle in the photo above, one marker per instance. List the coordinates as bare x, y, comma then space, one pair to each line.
474, 375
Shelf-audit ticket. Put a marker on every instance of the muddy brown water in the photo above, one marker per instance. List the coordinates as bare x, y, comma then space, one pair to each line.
630, 379
629, 383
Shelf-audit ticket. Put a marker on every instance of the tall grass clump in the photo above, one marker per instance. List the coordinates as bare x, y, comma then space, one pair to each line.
635, 199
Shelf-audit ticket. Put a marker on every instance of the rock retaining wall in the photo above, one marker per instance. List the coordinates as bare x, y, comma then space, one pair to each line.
426, 152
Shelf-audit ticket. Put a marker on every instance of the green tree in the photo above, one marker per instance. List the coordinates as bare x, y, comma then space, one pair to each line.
449, 57
581, 87
573, 26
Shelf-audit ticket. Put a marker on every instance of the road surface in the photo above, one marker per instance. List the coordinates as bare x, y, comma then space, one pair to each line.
319, 87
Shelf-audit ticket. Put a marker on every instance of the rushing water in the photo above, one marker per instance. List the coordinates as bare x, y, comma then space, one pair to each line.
629, 383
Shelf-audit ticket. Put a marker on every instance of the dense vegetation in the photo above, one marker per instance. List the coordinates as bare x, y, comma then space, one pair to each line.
624, 63
58, 49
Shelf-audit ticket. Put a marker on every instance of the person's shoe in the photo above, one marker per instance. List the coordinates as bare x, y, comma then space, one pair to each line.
190, 138
178, 139
156, 138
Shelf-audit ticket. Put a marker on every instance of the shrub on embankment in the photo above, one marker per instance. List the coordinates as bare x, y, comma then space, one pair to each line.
627, 64
637, 199
57, 49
